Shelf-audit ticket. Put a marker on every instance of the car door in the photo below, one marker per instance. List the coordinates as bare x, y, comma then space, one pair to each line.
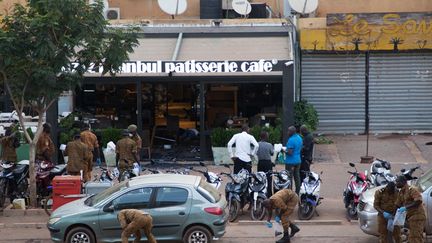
138, 198
170, 212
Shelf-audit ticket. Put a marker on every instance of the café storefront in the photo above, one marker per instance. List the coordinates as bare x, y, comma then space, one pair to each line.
194, 82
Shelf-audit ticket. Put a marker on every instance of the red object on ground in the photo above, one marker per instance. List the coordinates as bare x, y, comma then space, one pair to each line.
65, 189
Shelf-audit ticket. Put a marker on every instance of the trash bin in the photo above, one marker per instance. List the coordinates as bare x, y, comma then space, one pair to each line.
66, 189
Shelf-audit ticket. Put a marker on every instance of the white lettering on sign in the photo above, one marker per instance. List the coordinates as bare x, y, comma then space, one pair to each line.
192, 66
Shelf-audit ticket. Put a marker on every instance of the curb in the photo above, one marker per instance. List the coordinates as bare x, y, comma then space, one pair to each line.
26, 226
299, 222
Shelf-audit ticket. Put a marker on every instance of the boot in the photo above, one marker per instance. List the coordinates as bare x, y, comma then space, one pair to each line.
285, 238
294, 230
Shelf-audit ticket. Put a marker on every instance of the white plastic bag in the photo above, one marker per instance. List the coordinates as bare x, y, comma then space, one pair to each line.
136, 169
278, 229
277, 148
399, 219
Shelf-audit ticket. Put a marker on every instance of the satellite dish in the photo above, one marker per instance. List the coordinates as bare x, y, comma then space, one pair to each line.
304, 6
242, 7
173, 7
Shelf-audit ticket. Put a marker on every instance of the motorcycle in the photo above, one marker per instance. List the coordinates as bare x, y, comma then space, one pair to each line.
13, 181
380, 173
212, 178
105, 176
130, 173
309, 195
258, 193
281, 180
45, 173
408, 174
357, 184
236, 192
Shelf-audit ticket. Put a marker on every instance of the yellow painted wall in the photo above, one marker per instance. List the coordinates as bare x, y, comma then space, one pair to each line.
410, 31
372, 6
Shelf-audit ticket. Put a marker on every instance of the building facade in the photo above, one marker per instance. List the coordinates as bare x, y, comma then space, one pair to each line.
366, 66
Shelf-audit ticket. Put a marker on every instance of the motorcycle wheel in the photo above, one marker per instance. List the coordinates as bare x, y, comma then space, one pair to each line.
47, 204
234, 210
3, 192
259, 212
352, 211
306, 211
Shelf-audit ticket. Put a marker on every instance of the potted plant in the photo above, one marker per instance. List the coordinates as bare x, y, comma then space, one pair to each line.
220, 138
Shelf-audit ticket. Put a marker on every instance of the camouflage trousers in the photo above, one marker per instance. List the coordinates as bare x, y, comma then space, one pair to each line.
145, 223
383, 232
416, 228
285, 218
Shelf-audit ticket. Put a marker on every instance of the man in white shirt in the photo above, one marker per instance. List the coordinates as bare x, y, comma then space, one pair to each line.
243, 152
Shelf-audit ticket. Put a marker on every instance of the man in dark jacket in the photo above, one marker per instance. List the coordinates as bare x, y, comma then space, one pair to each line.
307, 151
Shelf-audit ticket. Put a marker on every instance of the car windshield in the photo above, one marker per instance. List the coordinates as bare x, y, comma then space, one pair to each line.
209, 192
425, 181
95, 199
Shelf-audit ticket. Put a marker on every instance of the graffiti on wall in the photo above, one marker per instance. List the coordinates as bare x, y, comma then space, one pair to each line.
376, 31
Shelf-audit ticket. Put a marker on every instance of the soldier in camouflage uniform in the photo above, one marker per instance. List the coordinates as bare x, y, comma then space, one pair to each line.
133, 130
285, 202
132, 221
9, 144
45, 146
126, 152
90, 139
384, 203
410, 200
78, 154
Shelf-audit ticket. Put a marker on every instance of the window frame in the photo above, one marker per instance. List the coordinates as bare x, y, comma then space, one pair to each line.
151, 200
158, 189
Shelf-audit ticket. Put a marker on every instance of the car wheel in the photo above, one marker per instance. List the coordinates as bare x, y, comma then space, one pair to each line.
197, 234
80, 235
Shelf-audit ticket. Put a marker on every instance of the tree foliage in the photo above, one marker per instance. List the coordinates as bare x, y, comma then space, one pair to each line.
46, 47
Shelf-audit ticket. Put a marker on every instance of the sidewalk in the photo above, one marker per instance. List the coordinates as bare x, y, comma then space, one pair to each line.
393, 148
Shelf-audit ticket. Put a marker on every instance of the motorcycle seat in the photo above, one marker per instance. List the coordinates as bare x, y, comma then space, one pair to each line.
58, 169
19, 169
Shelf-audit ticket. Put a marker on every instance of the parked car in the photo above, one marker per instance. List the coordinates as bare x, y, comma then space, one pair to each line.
183, 207
368, 214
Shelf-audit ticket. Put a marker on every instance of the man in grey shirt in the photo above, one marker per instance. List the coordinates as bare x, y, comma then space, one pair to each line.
264, 153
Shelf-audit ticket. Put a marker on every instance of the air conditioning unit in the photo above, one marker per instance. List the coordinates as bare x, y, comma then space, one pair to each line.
227, 5
112, 13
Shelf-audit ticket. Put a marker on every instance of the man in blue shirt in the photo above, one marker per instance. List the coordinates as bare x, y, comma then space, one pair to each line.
293, 155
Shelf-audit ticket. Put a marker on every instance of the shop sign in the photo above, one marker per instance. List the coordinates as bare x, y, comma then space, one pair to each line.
192, 66
372, 31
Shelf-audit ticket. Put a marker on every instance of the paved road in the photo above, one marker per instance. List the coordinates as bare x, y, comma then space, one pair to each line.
235, 233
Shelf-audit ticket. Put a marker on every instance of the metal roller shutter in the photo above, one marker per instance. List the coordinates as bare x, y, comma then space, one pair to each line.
335, 85
400, 92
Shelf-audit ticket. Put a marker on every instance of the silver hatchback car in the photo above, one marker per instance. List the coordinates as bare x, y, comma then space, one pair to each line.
184, 208
368, 215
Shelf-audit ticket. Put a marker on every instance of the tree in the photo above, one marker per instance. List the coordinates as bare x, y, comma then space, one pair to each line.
46, 47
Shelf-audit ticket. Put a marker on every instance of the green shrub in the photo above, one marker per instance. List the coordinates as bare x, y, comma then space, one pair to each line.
67, 135
305, 114
109, 134
220, 136
275, 133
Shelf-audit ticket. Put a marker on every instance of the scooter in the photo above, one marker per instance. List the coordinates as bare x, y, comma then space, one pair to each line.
357, 184
105, 176
258, 193
45, 173
380, 173
309, 195
130, 173
281, 180
212, 178
13, 181
236, 192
